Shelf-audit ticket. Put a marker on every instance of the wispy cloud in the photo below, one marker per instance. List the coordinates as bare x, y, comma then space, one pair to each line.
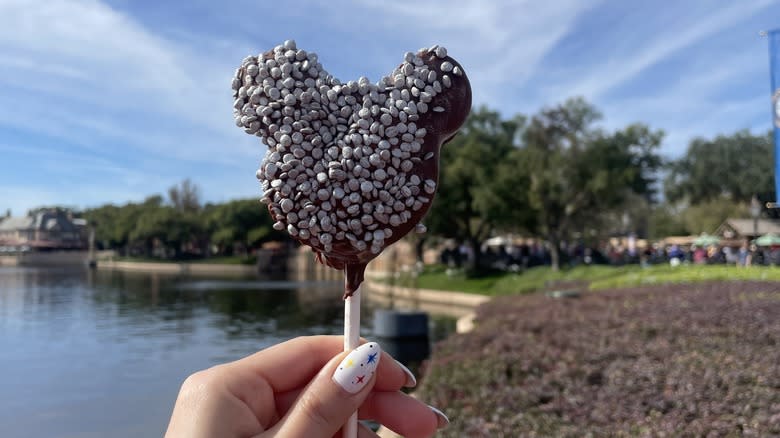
690, 69
105, 100
644, 48
501, 43
85, 56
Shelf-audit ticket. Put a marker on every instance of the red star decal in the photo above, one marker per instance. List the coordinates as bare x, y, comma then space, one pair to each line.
360, 378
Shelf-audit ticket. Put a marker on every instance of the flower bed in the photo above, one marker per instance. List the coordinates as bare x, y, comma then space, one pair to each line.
696, 359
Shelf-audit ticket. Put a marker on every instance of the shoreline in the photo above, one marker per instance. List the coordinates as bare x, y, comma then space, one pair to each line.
180, 268
456, 304
459, 305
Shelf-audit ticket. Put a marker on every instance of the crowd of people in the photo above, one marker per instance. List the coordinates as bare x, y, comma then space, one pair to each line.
525, 255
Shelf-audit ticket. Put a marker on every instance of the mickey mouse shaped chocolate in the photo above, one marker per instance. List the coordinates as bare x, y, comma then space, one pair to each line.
351, 167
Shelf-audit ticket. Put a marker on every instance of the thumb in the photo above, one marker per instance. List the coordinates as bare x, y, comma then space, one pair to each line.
334, 395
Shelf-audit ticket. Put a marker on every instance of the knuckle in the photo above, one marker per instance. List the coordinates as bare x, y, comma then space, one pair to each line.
314, 409
201, 381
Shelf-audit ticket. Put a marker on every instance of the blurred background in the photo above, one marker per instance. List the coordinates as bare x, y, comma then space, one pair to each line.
605, 204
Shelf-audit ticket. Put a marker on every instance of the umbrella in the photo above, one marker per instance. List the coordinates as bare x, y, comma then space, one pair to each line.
498, 241
706, 240
768, 240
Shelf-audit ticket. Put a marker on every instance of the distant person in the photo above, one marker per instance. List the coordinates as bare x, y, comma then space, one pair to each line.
743, 256
676, 255
301, 388
587, 257
699, 255
714, 255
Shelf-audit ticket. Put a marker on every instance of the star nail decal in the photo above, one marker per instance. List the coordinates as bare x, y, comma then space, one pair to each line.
356, 370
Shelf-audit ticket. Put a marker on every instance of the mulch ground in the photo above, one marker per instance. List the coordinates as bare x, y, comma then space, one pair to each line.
675, 360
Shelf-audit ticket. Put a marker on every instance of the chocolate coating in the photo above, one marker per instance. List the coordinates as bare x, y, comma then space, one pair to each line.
440, 126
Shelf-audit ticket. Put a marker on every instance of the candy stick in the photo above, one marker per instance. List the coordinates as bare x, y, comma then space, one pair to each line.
351, 167
351, 341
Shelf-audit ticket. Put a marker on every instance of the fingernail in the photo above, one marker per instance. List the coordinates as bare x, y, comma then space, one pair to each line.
441, 419
411, 381
355, 371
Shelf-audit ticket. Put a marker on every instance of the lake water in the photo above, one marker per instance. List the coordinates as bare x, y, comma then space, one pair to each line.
95, 354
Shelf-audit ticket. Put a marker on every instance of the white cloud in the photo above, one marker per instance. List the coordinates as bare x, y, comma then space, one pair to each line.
709, 96
92, 66
666, 39
499, 43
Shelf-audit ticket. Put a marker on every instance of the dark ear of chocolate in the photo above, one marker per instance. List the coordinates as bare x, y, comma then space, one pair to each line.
456, 100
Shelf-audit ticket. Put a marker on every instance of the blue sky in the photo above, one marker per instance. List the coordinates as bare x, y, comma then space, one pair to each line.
111, 101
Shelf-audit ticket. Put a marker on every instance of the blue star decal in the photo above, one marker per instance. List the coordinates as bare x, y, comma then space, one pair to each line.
371, 358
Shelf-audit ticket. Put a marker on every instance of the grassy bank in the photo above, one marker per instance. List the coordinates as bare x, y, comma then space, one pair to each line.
598, 277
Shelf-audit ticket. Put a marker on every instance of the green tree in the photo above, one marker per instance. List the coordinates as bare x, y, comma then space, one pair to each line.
481, 184
104, 220
185, 196
706, 216
664, 221
114, 224
577, 172
735, 166
171, 228
243, 222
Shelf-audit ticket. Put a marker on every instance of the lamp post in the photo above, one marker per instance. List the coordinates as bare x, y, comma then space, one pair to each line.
755, 212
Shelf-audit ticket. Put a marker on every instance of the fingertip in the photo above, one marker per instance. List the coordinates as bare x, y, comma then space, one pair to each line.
402, 413
411, 381
442, 420
392, 375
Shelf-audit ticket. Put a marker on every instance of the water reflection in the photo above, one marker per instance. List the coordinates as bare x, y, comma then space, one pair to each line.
94, 353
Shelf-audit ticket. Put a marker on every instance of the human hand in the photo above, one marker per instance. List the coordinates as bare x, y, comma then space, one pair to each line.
301, 388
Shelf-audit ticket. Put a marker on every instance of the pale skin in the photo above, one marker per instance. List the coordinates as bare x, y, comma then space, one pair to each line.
287, 391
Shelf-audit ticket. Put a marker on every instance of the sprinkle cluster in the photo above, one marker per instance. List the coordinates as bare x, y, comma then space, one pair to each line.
340, 160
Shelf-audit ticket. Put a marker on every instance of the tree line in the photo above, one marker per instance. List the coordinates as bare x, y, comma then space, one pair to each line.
556, 175
181, 226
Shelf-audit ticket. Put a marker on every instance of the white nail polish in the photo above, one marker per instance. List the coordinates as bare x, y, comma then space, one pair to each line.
356, 370
411, 381
441, 419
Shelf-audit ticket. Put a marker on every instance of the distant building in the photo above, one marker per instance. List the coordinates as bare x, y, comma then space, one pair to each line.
42, 231
747, 228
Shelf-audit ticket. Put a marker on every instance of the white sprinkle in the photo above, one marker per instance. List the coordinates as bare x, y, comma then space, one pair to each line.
438, 109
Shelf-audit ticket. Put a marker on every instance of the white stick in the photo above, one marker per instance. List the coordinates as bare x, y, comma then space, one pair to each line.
351, 342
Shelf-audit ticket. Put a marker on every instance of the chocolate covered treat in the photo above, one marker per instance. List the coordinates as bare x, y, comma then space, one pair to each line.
351, 167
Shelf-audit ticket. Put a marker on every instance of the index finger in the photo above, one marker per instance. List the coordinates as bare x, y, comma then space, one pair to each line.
293, 364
